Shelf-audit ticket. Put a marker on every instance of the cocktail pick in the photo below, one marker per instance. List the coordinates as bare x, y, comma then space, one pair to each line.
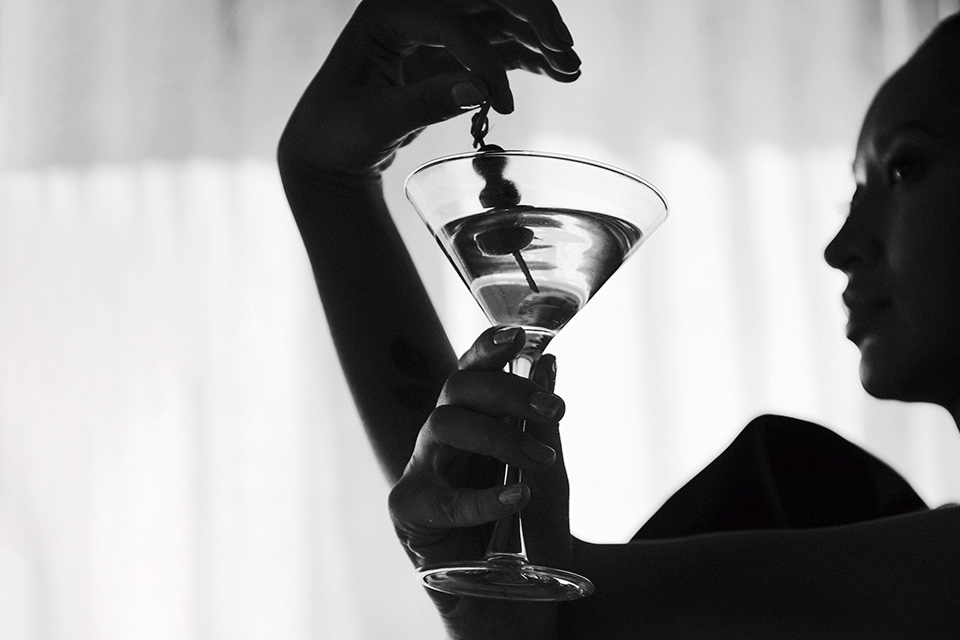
498, 193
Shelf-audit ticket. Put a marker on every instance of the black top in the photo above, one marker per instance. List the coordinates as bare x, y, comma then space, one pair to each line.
784, 473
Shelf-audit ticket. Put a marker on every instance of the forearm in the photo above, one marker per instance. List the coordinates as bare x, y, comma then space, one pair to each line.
895, 577
391, 345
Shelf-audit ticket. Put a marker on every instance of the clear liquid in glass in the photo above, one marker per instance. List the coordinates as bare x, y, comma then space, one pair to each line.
537, 267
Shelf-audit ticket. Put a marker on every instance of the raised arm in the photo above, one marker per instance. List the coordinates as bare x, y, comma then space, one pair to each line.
397, 67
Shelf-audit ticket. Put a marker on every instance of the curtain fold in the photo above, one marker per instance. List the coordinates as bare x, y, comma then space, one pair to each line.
179, 455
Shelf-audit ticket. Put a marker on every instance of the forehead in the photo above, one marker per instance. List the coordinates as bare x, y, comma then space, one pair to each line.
923, 95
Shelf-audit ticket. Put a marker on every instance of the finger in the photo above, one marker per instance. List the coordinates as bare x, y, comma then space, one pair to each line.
410, 137
545, 372
544, 18
493, 349
544, 430
422, 511
502, 395
501, 27
458, 430
517, 56
520, 51
542, 15
400, 27
417, 105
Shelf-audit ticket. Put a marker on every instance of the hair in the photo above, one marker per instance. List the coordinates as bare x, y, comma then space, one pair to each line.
941, 50
944, 40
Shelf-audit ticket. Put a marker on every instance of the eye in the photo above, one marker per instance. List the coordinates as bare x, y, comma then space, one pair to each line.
904, 168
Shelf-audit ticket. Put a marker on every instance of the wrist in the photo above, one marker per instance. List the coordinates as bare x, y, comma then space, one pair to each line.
296, 167
311, 189
321, 139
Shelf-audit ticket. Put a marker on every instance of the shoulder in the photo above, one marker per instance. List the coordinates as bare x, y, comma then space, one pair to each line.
782, 472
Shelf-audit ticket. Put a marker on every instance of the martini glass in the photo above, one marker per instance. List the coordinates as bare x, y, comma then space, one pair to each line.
533, 236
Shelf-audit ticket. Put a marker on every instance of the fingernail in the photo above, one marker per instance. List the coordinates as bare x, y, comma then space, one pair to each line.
538, 452
506, 335
466, 94
511, 495
551, 362
546, 404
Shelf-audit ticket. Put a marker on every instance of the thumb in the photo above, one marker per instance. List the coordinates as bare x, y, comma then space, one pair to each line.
433, 100
545, 372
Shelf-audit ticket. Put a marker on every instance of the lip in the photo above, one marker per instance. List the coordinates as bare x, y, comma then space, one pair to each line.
864, 311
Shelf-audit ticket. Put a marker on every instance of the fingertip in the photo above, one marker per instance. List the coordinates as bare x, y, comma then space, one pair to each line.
507, 335
563, 33
566, 62
549, 362
548, 405
514, 495
468, 94
545, 372
542, 454
503, 102
493, 348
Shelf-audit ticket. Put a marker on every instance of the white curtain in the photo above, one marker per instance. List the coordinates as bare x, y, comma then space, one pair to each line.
179, 456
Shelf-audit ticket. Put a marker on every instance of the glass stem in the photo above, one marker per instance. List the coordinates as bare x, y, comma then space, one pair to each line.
507, 543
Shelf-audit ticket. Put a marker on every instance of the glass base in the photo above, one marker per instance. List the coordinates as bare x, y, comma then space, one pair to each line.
505, 577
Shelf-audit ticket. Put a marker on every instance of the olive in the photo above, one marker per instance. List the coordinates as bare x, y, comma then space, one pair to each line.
502, 241
499, 194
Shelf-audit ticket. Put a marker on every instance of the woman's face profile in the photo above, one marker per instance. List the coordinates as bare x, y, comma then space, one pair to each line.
900, 245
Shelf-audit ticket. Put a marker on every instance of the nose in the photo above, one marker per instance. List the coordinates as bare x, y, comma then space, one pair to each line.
833, 253
852, 246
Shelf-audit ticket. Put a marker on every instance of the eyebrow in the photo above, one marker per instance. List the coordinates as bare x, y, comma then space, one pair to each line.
885, 139
905, 127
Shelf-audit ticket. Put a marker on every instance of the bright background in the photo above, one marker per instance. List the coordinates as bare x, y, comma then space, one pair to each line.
179, 456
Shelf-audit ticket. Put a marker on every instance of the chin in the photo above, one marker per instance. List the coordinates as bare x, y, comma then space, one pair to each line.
875, 387
883, 371
880, 384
